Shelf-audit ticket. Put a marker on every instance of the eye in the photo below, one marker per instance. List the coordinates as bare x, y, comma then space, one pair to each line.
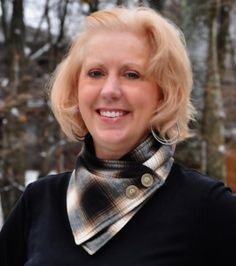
132, 75
95, 73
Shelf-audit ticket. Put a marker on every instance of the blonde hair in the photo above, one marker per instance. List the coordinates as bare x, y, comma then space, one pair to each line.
169, 64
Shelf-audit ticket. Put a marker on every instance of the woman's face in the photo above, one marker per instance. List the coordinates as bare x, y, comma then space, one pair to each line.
116, 98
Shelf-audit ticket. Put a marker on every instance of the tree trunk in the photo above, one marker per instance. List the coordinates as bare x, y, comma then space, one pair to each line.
14, 162
157, 5
227, 65
213, 130
228, 85
16, 43
119, 2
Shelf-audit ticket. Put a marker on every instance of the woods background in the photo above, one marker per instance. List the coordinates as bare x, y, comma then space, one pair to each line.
35, 35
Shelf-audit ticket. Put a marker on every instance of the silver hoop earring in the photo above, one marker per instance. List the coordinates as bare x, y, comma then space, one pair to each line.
80, 138
164, 141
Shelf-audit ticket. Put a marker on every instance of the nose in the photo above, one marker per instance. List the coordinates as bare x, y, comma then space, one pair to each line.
111, 89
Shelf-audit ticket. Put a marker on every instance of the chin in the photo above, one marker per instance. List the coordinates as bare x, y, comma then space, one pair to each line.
112, 138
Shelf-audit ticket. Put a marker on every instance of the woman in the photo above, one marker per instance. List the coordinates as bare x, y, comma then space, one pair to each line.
124, 89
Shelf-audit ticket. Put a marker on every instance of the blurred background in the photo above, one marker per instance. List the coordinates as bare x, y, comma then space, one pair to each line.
34, 37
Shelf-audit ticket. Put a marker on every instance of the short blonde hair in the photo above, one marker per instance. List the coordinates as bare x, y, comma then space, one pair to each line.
169, 64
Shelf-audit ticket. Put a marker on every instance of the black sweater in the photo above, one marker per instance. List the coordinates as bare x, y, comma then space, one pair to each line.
191, 220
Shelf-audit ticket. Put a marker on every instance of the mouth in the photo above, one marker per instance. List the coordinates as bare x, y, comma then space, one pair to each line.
111, 113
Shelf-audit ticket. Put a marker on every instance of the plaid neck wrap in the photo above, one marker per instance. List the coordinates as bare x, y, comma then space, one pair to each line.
103, 195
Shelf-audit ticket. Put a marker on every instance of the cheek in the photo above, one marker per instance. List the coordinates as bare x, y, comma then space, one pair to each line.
155, 97
83, 92
146, 99
82, 100
87, 90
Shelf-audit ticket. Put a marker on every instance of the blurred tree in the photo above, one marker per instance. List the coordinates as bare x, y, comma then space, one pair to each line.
45, 16
157, 5
213, 126
227, 66
28, 138
93, 5
13, 168
14, 37
119, 2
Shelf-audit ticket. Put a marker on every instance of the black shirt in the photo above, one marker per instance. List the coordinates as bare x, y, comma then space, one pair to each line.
190, 220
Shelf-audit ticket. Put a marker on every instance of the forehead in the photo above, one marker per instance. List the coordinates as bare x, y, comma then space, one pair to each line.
103, 44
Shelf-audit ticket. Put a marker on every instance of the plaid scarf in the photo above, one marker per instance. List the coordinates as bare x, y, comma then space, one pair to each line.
103, 195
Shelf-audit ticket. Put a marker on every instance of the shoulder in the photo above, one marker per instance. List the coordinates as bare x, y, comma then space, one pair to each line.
196, 184
213, 208
193, 177
55, 179
49, 185
204, 195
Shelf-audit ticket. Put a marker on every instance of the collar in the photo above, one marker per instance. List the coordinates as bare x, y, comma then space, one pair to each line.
103, 195
138, 155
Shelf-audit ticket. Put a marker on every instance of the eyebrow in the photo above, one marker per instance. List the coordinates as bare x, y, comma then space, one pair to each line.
123, 65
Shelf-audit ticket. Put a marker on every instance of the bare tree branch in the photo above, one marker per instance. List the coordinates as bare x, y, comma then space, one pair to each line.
44, 16
62, 17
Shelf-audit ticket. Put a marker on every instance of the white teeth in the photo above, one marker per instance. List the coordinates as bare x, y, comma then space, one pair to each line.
111, 113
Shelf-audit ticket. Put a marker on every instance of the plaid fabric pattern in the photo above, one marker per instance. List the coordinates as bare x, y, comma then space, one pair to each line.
97, 202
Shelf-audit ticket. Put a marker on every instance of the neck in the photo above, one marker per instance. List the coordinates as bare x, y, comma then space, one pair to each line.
115, 152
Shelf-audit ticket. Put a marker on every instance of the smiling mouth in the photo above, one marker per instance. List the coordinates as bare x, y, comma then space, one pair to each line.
111, 113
